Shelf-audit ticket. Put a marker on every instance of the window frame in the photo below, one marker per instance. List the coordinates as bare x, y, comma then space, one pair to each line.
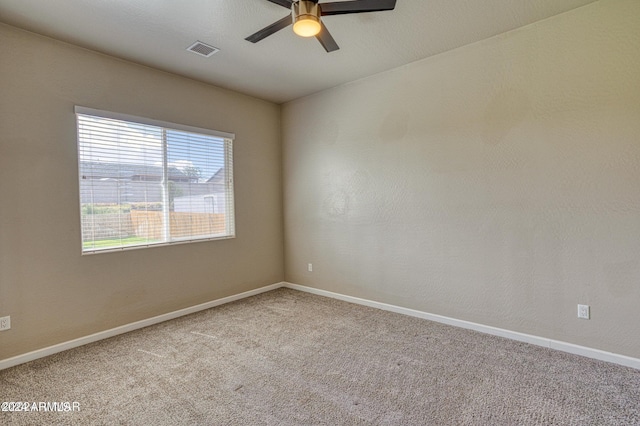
228, 176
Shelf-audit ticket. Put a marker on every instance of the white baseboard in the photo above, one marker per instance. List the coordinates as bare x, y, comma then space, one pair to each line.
41, 353
514, 335
521, 337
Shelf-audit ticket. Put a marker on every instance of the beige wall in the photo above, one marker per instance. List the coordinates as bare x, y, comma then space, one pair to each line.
54, 294
498, 183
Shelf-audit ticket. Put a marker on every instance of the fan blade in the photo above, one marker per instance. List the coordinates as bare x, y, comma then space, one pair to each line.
326, 40
356, 6
271, 29
283, 3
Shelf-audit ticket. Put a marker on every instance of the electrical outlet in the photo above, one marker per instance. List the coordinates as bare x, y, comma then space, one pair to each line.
309, 267
5, 323
583, 312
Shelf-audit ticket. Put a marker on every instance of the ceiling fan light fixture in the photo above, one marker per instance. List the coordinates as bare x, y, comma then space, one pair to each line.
306, 18
306, 27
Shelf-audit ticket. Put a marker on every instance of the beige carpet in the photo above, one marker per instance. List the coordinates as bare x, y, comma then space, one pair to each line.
291, 358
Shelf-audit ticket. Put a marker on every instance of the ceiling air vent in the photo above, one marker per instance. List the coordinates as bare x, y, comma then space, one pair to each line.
202, 49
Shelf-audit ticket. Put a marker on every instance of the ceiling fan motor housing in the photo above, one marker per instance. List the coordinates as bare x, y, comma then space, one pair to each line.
305, 11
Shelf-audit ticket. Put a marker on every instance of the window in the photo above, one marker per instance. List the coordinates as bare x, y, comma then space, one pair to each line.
144, 182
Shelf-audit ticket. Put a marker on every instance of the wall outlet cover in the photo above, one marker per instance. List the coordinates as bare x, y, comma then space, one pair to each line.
583, 312
5, 323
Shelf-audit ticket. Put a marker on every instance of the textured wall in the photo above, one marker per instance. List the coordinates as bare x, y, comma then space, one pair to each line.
498, 183
54, 294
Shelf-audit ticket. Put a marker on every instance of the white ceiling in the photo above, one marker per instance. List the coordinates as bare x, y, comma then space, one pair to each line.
283, 66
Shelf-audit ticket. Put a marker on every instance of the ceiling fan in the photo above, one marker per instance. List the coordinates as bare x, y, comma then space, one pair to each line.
305, 17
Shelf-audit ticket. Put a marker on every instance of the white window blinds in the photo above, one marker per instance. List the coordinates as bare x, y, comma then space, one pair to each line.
144, 182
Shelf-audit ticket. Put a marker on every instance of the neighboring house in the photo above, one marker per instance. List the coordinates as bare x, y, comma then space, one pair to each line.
218, 177
110, 183
213, 202
131, 172
207, 203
